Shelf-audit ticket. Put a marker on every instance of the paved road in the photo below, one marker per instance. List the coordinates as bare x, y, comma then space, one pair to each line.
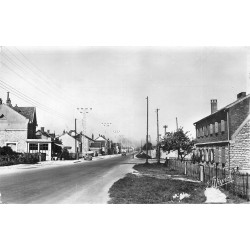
86, 182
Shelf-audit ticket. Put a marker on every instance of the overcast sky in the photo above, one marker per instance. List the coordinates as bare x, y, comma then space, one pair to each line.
115, 81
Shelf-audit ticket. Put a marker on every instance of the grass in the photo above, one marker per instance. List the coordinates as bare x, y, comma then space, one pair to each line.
149, 188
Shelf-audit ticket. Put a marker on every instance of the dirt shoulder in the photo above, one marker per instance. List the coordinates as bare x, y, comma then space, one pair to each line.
157, 184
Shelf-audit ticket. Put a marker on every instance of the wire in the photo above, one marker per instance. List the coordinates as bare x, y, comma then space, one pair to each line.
50, 81
22, 96
41, 79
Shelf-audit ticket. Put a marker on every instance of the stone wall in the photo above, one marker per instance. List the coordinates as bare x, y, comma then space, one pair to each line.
240, 148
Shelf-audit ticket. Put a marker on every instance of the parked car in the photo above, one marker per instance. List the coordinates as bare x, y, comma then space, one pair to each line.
88, 156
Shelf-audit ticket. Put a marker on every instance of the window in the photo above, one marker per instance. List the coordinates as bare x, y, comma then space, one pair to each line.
216, 127
222, 126
33, 146
44, 146
197, 133
211, 129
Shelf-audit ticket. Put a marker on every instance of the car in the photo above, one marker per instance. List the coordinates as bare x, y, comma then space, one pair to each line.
88, 157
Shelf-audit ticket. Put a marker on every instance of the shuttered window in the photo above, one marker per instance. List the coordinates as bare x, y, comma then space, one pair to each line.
216, 127
222, 126
211, 129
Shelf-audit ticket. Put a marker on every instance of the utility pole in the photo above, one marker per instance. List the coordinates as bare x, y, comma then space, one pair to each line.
176, 124
147, 135
158, 144
84, 112
75, 142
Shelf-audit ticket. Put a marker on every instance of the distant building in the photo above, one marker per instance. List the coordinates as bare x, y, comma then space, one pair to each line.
68, 141
100, 145
224, 135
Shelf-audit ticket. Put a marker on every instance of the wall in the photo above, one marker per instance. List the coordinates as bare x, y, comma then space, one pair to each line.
68, 140
237, 114
240, 148
13, 128
14, 136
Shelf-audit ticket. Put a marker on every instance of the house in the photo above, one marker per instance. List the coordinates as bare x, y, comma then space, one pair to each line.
18, 130
42, 134
72, 143
100, 145
223, 136
86, 142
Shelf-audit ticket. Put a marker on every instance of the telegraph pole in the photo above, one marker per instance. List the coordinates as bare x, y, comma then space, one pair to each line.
147, 134
158, 145
75, 141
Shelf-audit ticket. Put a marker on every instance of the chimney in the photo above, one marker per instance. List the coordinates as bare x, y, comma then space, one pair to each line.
42, 129
93, 136
48, 131
213, 106
8, 101
241, 95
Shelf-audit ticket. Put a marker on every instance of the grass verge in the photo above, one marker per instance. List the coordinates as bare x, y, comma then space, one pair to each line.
148, 187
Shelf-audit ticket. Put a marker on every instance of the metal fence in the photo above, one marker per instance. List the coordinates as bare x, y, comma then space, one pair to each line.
231, 180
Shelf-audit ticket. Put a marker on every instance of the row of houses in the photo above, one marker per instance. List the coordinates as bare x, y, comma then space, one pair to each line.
18, 130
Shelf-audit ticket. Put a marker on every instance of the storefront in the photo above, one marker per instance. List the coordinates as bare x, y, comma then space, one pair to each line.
41, 146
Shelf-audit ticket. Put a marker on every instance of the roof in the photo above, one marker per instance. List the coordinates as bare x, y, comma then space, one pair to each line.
88, 138
66, 133
100, 138
28, 112
225, 108
44, 133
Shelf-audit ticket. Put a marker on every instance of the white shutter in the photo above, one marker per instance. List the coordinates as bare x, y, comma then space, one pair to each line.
216, 126
211, 129
222, 126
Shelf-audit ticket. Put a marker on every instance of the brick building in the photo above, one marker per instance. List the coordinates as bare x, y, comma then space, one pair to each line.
223, 137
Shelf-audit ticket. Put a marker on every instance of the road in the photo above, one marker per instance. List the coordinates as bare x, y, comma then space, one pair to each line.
79, 183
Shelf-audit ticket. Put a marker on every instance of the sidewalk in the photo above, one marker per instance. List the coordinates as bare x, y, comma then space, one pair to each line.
47, 164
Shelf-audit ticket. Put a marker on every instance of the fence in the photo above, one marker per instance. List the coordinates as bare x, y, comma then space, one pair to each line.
229, 179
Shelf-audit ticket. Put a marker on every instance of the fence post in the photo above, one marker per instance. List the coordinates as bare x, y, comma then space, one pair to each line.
201, 173
216, 174
185, 168
247, 188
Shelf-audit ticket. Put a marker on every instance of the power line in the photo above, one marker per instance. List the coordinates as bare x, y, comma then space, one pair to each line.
50, 81
30, 70
22, 96
14, 63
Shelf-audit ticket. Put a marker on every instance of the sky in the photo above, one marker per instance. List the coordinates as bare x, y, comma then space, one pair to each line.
115, 81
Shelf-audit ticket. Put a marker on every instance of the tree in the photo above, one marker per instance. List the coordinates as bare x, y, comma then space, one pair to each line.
150, 147
179, 141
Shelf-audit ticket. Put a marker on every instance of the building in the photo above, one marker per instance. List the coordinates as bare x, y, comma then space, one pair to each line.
17, 124
223, 137
100, 145
86, 142
72, 143
18, 130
